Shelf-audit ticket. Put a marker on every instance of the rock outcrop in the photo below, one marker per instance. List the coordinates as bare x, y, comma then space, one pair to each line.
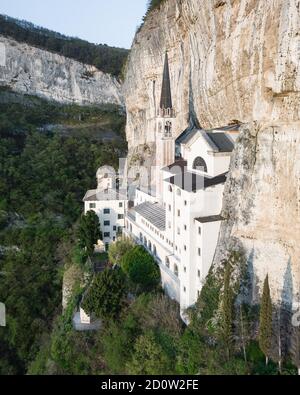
233, 60
33, 71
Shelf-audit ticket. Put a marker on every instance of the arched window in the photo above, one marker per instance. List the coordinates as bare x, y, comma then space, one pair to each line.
145, 241
176, 270
170, 188
154, 251
150, 246
200, 164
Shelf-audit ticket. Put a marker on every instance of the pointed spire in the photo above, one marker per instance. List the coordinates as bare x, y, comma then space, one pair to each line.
166, 97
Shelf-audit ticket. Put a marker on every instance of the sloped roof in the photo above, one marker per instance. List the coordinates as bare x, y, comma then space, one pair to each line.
177, 167
209, 219
221, 141
108, 194
166, 97
187, 135
153, 213
192, 182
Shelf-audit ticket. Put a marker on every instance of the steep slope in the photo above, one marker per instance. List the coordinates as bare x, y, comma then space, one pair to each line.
233, 60
34, 71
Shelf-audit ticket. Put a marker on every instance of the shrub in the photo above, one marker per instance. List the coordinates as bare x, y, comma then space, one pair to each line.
141, 269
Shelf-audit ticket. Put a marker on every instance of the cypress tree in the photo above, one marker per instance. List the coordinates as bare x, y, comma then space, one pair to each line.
265, 325
89, 231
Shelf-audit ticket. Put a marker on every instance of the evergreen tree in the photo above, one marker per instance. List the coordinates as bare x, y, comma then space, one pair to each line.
89, 231
295, 347
265, 327
106, 295
227, 311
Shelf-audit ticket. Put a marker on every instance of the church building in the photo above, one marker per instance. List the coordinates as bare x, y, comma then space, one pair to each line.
180, 226
179, 222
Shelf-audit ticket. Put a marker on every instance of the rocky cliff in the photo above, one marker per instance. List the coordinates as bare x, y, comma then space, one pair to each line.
34, 71
233, 60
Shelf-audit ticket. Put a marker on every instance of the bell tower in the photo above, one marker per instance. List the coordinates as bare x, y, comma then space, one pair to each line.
165, 118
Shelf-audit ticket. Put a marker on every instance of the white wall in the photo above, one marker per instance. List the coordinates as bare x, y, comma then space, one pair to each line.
217, 163
115, 210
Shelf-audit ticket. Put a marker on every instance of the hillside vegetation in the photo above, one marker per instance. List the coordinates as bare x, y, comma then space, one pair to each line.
44, 174
105, 58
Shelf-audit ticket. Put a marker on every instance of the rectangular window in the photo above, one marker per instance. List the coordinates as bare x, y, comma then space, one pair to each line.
120, 204
115, 228
184, 269
185, 227
185, 203
120, 216
199, 251
106, 223
106, 234
184, 248
199, 274
106, 211
92, 205
199, 230
178, 213
170, 208
178, 231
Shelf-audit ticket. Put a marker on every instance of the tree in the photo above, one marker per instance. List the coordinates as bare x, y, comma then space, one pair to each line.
105, 298
227, 311
295, 346
265, 327
89, 231
118, 249
141, 270
149, 357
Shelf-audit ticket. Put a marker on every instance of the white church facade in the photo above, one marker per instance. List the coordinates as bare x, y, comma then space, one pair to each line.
179, 223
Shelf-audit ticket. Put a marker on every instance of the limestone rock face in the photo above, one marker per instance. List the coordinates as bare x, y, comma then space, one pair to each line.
34, 71
233, 60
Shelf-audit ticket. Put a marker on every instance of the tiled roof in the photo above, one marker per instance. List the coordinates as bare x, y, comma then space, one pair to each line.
221, 141
153, 213
212, 218
192, 182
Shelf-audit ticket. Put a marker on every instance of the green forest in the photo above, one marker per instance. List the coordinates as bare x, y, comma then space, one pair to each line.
44, 174
107, 59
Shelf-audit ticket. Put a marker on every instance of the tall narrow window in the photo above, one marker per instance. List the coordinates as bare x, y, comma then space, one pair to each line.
167, 262
176, 270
